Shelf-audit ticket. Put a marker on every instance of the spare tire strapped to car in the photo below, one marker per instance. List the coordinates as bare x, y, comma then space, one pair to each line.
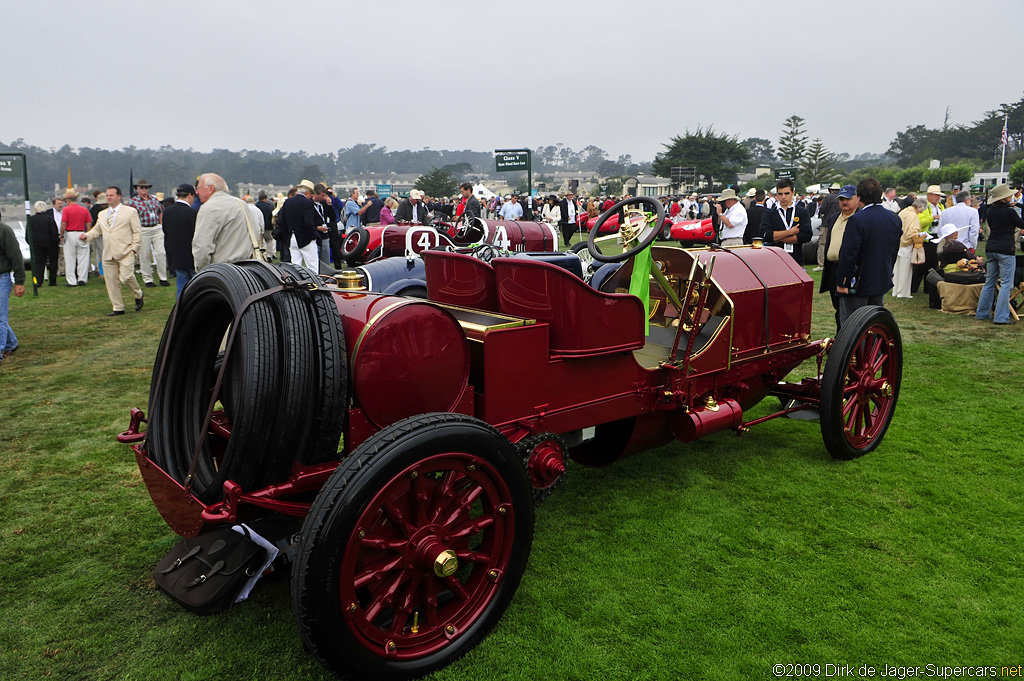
231, 298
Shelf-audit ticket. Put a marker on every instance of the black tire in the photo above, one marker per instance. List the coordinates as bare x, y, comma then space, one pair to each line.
354, 246
374, 254
666, 231
343, 611
178, 401
646, 237
328, 405
861, 383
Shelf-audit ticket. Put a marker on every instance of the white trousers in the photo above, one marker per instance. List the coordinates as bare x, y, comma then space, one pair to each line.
152, 247
76, 257
306, 255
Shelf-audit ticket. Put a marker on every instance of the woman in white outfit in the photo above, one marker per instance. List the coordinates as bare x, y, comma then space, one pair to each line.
901, 273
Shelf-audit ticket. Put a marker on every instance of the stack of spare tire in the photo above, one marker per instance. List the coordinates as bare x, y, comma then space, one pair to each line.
284, 391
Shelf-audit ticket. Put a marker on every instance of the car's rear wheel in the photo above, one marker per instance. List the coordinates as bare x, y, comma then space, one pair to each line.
414, 548
861, 383
354, 246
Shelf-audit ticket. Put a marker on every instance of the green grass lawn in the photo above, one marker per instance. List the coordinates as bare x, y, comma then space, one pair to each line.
713, 560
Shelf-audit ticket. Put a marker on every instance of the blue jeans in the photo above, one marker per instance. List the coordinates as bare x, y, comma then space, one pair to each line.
182, 277
1001, 267
8, 341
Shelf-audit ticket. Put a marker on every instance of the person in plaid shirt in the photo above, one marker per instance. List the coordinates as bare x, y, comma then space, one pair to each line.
151, 214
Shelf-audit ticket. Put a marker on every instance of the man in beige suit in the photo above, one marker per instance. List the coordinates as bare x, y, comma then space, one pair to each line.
121, 230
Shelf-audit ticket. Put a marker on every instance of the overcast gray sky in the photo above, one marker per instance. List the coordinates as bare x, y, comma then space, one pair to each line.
449, 74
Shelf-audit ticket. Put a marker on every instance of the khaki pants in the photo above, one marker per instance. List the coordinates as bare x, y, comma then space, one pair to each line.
152, 248
119, 272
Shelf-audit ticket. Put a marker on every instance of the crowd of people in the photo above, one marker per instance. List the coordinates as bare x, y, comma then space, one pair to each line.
871, 242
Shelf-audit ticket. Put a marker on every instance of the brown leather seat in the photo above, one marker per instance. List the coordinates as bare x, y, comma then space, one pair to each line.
459, 279
583, 322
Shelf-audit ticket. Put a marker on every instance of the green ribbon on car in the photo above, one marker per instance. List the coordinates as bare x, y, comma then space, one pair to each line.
640, 282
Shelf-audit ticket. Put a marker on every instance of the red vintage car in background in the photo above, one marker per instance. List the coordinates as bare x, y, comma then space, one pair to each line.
400, 453
365, 244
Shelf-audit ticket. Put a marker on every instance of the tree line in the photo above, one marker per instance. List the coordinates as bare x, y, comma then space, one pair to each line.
961, 149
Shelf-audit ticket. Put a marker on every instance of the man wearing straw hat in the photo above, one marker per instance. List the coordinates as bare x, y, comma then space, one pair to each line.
732, 222
929, 218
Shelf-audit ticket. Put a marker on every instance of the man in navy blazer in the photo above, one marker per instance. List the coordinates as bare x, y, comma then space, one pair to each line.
868, 253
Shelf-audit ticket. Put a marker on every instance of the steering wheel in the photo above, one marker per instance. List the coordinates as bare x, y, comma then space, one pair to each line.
635, 237
485, 252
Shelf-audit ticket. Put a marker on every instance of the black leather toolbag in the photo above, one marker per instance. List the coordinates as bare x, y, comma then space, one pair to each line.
206, 573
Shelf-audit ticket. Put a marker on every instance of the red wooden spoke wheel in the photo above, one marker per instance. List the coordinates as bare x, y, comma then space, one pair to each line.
414, 549
861, 383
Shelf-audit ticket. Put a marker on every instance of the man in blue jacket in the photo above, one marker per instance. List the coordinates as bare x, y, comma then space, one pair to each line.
868, 253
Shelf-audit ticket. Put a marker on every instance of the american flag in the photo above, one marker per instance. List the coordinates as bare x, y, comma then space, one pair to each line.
1005, 134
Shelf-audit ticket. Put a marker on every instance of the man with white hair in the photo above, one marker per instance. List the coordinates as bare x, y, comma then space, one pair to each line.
222, 225
962, 214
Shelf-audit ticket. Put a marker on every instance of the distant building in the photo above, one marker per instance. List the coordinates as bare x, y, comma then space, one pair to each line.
990, 178
647, 185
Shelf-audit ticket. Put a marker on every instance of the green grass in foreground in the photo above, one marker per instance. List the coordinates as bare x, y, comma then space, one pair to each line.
712, 560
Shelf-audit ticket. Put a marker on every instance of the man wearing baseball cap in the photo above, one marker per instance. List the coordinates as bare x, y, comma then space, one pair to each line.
832, 230
868, 253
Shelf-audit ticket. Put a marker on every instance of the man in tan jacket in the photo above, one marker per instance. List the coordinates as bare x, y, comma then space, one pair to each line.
121, 230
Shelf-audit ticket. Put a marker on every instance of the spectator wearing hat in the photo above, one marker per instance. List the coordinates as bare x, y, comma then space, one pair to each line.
828, 207
551, 213
119, 226
787, 225
962, 214
222, 225
868, 253
299, 218
929, 218
733, 220
150, 214
567, 214
412, 209
179, 225
45, 243
75, 221
1000, 250
833, 229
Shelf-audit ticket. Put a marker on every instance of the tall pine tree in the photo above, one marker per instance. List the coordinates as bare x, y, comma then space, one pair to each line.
818, 164
793, 143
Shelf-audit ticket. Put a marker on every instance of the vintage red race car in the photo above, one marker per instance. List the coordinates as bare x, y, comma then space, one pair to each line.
611, 225
400, 453
365, 244
693, 232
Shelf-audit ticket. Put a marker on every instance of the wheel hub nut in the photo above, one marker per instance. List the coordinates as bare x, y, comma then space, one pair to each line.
446, 564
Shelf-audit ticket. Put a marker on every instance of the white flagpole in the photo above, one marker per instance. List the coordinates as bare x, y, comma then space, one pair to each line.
1002, 163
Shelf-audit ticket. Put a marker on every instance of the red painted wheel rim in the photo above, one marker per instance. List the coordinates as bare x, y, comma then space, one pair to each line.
869, 386
387, 583
349, 245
